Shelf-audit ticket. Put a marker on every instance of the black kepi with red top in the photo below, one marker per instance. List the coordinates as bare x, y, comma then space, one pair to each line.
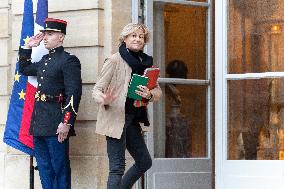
57, 25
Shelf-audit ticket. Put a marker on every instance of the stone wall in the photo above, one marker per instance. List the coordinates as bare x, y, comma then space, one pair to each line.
92, 33
5, 44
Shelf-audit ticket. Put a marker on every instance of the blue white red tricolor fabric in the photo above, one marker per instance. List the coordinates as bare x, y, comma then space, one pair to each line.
21, 106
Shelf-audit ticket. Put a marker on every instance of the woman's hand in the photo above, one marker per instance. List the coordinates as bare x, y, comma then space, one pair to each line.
144, 92
34, 41
108, 96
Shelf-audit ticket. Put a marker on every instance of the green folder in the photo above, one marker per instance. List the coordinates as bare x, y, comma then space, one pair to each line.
135, 81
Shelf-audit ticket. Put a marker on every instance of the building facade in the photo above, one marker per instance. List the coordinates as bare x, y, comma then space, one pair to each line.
92, 35
220, 121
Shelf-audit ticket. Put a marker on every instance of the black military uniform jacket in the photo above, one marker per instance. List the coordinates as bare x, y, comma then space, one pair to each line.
59, 90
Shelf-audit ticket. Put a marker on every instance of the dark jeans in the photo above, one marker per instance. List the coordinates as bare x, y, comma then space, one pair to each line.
132, 140
53, 162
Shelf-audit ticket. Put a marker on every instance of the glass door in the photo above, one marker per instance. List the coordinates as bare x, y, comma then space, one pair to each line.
180, 137
249, 94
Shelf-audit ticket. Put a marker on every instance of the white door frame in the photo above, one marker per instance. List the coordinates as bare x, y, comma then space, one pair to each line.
220, 60
235, 174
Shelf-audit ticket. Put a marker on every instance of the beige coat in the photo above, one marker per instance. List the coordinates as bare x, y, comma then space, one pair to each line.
115, 74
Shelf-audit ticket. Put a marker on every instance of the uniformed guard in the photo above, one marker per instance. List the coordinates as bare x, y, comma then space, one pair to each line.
56, 103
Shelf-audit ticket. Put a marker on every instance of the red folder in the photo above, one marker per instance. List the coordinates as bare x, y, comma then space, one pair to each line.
152, 74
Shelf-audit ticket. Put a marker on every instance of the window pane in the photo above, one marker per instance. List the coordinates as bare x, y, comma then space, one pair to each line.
180, 34
180, 51
255, 36
256, 119
181, 130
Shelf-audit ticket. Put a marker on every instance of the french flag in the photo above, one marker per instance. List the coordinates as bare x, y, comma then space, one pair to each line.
21, 106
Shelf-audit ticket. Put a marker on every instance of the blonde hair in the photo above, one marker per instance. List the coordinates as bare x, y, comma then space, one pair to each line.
132, 27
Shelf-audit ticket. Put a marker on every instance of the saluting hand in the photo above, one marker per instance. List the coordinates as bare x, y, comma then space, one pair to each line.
62, 131
34, 41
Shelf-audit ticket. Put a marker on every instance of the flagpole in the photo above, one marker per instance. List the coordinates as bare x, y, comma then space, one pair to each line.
31, 172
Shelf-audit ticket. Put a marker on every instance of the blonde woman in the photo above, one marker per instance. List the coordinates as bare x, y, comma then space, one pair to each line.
119, 117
